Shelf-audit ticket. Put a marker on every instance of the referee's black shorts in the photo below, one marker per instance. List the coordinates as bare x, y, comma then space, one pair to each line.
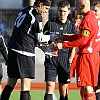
57, 65
20, 66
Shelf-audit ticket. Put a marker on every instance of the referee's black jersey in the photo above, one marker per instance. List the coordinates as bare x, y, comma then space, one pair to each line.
28, 22
58, 28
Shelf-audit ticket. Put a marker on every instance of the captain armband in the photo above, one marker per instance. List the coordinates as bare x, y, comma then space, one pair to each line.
86, 33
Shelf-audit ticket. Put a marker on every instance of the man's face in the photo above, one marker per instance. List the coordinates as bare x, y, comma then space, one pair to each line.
63, 13
44, 9
96, 10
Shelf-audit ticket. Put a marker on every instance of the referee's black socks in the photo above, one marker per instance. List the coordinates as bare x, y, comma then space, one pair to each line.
97, 96
48, 97
25, 95
6, 92
63, 98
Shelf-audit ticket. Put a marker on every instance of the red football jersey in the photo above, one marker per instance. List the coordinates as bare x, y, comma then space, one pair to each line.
87, 35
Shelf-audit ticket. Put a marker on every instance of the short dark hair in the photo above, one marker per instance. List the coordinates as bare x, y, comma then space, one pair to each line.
45, 2
64, 3
96, 3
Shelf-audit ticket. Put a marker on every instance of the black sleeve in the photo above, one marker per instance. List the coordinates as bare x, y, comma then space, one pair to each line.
36, 26
46, 29
3, 48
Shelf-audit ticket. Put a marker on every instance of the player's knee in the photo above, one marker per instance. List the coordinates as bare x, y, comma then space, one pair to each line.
50, 87
12, 82
87, 89
25, 84
63, 89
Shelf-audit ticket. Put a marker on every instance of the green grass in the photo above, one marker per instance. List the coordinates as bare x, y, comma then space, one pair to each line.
38, 95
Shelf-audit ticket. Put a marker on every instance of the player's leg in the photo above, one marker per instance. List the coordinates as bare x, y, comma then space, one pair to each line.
8, 88
64, 80
26, 66
12, 71
97, 88
25, 89
50, 76
50, 85
63, 89
87, 74
63, 75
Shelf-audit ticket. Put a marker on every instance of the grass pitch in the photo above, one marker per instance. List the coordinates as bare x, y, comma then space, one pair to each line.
39, 95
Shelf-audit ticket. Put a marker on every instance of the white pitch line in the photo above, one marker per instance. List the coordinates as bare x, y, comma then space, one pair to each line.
54, 97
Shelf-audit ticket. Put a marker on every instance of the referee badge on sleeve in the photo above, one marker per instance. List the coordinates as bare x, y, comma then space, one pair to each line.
85, 33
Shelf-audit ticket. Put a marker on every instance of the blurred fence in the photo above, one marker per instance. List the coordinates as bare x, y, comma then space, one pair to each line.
9, 16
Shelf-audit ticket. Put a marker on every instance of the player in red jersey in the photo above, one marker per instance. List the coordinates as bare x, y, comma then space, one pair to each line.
87, 64
96, 9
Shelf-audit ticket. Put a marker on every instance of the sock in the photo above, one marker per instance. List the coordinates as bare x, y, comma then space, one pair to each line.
90, 96
97, 96
6, 92
25, 95
63, 98
48, 97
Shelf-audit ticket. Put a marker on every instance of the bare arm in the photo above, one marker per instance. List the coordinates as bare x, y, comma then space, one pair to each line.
72, 54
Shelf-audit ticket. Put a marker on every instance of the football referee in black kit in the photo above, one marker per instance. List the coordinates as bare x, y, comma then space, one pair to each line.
21, 48
57, 59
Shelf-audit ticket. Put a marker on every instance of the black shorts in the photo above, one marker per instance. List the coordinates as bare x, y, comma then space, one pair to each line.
57, 65
20, 66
